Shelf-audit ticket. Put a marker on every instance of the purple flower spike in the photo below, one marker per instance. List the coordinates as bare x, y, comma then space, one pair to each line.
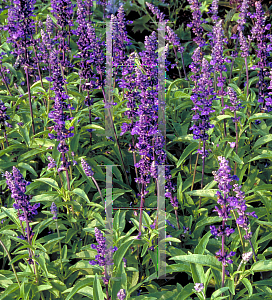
86, 168
104, 254
54, 211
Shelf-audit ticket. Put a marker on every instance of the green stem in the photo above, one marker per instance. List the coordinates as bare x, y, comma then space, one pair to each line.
239, 230
195, 168
12, 265
59, 248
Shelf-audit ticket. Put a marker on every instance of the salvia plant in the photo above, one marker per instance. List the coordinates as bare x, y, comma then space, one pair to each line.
135, 149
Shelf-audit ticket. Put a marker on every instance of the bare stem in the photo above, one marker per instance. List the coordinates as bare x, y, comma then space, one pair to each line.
141, 209
195, 167
12, 265
29, 99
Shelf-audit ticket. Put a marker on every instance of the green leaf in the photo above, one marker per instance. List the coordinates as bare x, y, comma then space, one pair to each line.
82, 194
259, 116
11, 214
27, 167
248, 286
219, 292
41, 261
180, 94
203, 193
75, 142
25, 134
263, 140
30, 153
140, 24
80, 285
261, 266
205, 260
49, 181
12, 288
185, 292
120, 253
200, 248
189, 149
97, 289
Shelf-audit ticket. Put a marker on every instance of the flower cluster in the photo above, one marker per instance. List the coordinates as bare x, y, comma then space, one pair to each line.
52, 163
86, 168
218, 59
214, 10
235, 104
263, 51
202, 98
224, 179
54, 211
156, 12
58, 115
121, 294
63, 12
199, 287
103, 256
104, 253
120, 39
196, 23
21, 27
240, 205
17, 184
3, 116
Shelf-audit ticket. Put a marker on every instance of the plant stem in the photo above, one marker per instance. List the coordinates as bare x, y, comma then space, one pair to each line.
4, 80
239, 230
174, 47
141, 209
203, 167
222, 103
183, 65
195, 167
117, 142
255, 256
12, 265
233, 61
223, 253
29, 99
98, 188
59, 248
6, 138
134, 160
236, 142
67, 178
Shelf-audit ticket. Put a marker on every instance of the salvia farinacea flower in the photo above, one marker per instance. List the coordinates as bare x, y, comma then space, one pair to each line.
224, 178
54, 211
202, 97
58, 115
17, 184
235, 103
104, 253
196, 23
86, 168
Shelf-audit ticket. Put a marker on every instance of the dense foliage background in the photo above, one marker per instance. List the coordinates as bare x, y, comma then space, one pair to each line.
56, 149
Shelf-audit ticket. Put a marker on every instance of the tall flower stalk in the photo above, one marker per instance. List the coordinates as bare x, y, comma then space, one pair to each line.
17, 184
218, 61
235, 106
263, 49
21, 28
223, 178
103, 257
202, 97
